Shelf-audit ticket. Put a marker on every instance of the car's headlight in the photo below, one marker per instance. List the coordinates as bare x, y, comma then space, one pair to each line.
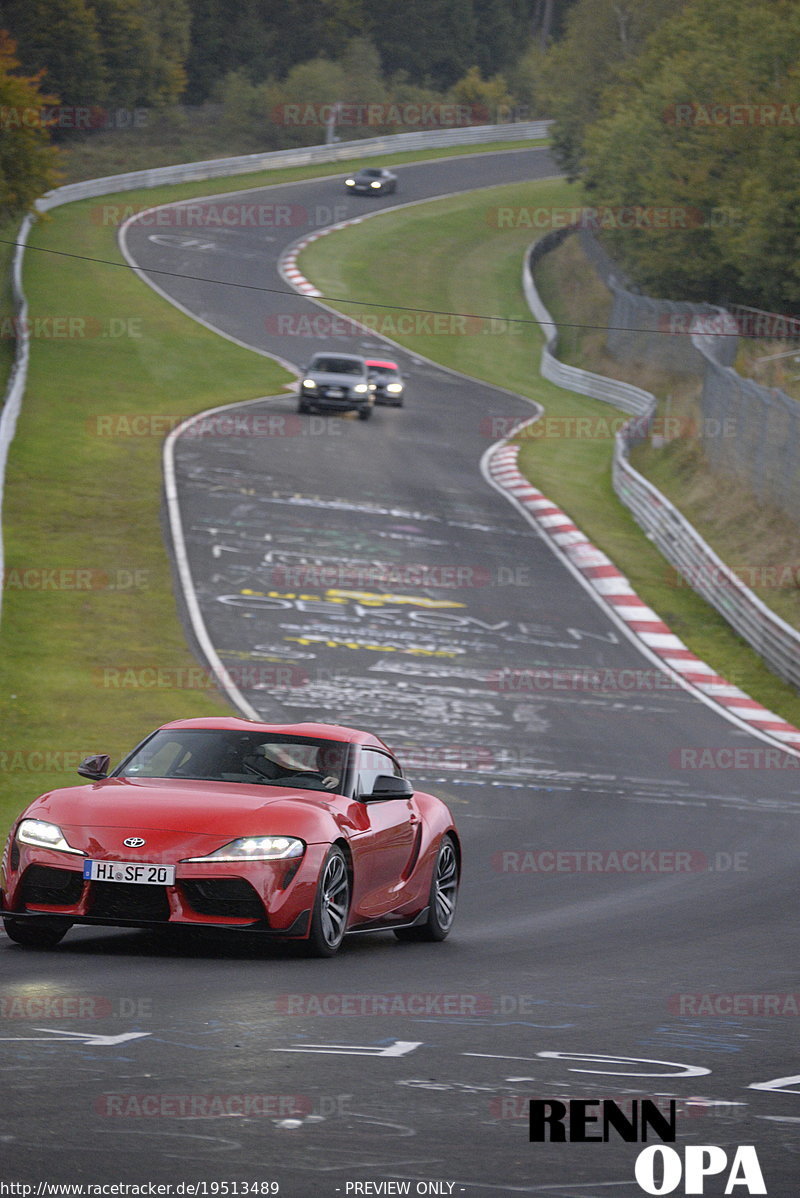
350, 182
256, 848
395, 388
45, 836
361, 388
375, 183
312, 386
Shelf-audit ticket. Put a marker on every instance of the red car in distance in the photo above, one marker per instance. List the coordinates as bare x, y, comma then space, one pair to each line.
293, 831
386, 382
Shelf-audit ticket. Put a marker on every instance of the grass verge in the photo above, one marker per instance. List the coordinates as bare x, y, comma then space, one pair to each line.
78, 500
759, 541
447, 256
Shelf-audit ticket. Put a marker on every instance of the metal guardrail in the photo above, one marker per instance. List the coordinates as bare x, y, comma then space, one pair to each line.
212, 169
764, 450
678, 540
273, 160
19, 373
623, 395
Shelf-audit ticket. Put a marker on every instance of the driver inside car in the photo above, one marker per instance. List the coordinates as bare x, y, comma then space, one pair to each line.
284, 762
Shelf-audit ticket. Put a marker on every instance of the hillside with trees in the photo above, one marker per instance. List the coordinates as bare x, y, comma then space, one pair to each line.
696, 112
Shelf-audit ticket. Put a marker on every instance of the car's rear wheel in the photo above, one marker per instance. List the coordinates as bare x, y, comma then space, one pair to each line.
35, 933
331, 906
442, 900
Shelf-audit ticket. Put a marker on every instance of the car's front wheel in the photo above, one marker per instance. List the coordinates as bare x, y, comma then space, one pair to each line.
364, 413
442, 900
35, 933
331, 906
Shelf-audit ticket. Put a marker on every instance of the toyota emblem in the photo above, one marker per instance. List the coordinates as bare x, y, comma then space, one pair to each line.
133, 842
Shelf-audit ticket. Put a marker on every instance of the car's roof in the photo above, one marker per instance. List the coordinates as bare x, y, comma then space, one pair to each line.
386, 365
315, 730
334, 353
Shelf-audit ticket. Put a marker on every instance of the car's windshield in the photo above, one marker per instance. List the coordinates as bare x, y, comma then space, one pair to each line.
371, 173
217, 755
336, 366
383, 372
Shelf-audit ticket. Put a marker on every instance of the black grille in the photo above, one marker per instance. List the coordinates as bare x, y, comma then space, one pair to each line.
126, 900
42, 885
223, 896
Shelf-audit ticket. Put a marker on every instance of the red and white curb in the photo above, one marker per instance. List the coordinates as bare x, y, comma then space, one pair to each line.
613, 589
288, 263
608, 585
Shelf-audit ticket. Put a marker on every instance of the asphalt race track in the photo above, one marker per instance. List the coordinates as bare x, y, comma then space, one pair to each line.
572, 976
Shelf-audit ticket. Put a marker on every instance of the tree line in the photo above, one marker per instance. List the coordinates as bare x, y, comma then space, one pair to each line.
682, 120
679, 117
82, 64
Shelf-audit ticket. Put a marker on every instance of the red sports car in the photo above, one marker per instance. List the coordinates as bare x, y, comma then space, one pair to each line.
295, 831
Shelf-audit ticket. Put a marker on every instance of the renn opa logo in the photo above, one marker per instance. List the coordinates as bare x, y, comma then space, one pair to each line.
659, 1169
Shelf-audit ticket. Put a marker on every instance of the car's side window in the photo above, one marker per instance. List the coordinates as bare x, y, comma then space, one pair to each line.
371, 763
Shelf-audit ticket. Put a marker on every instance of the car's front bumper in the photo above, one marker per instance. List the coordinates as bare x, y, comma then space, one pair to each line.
387, 400
269, 896
335, 403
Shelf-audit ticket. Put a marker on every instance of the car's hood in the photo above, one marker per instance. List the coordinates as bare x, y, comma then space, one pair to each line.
200, 808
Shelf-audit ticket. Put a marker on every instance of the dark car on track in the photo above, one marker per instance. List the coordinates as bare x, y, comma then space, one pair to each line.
386, 382
372, 180
292, 831
338, 383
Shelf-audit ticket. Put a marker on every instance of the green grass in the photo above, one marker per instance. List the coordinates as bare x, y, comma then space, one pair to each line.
447, 256
76, 500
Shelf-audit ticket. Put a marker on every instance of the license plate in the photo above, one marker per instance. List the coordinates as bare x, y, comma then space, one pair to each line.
139, 872
335, 392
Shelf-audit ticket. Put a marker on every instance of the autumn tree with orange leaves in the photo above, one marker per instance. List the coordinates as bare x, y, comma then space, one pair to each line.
27, 159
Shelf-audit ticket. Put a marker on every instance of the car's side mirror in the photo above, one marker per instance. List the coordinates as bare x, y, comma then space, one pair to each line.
387, 786
95, 767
